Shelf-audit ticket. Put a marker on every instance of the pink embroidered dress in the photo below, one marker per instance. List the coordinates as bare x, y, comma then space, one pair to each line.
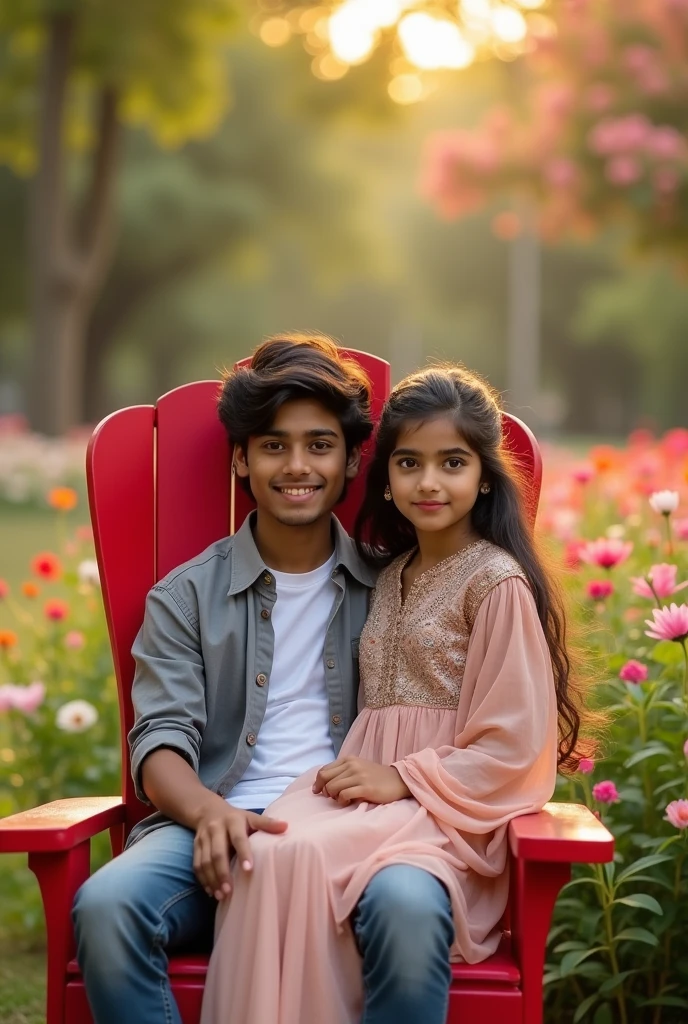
458, 694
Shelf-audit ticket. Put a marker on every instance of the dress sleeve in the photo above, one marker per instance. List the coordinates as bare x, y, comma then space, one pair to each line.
504, 758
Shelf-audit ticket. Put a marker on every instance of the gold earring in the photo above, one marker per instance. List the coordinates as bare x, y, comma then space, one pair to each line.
388, 493
485, 488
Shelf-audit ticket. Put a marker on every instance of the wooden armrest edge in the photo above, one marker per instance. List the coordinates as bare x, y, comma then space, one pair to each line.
60, 824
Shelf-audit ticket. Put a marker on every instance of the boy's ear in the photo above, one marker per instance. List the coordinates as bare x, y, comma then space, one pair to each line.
353, 462
240, 462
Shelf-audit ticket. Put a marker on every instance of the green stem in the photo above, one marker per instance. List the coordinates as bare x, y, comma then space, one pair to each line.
647, 784
664, 976
685, 671
670, 539
606, 897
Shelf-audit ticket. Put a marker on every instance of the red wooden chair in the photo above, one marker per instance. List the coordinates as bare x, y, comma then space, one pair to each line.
160, 490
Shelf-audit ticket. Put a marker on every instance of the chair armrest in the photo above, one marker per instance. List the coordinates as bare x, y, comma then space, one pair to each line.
60, 825
561, 833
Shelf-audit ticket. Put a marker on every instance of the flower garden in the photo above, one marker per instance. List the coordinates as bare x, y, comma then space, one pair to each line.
616, 522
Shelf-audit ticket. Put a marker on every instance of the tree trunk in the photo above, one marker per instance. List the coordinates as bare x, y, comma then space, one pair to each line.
69, 255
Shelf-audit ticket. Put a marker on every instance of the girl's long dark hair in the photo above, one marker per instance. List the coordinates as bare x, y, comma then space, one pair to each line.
382, 532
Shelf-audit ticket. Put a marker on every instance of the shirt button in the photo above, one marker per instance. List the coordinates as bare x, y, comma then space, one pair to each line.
267, 578
261, 679
335, 573
265, 614
336, 719
331, 663
251, 739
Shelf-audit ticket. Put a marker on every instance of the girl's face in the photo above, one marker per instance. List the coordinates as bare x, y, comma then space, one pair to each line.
434, 476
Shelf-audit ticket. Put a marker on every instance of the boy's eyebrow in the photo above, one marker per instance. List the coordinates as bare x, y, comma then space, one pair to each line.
315, 432
443, 451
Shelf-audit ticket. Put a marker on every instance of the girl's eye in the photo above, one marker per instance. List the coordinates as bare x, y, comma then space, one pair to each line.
320, 446
455, 463
407, 463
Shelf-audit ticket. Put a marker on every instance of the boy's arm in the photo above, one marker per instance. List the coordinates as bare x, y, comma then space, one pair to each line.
170, 705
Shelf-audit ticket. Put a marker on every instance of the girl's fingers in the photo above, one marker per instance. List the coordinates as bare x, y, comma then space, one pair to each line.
335, 786
328, 772
351, 793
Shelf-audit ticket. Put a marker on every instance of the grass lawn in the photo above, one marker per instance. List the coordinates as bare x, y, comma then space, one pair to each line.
22, 986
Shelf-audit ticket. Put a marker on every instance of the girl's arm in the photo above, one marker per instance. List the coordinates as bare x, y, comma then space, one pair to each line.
504, 758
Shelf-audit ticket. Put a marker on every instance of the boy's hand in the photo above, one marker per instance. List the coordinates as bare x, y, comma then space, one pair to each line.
354, 778
222, 830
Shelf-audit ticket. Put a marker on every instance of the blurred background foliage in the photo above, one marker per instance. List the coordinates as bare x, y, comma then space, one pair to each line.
276, 201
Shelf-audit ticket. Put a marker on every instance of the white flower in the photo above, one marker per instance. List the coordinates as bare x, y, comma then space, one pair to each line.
88, 572
616, 532
664, 501
76, 716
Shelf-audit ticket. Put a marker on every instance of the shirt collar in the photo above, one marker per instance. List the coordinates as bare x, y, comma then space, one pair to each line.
247, 564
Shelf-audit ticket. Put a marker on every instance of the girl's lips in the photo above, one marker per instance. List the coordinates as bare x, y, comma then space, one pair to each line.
429, 506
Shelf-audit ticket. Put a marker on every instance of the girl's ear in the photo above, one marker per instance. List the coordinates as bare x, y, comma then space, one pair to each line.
240, 462
353, 462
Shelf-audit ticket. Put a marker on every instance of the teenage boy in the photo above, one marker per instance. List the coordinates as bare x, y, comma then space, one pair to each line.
246, 677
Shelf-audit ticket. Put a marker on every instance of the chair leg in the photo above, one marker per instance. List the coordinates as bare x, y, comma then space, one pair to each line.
60, 876
535, 887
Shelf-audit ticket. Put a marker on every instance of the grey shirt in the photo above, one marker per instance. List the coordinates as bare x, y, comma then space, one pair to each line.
204, 656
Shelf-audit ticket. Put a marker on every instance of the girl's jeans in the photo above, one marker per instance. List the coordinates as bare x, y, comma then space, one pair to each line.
147, 903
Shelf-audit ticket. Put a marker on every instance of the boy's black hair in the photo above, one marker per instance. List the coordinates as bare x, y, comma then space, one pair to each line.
295, 366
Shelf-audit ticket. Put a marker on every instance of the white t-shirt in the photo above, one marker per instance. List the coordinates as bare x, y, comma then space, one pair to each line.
295, 734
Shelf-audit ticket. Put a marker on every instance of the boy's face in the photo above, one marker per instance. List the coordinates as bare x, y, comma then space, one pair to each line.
298, 469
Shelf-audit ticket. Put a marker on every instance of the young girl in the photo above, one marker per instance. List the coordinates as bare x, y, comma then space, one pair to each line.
466, 711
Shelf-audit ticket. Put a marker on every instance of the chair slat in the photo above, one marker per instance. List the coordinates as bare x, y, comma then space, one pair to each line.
120, 464
523, 445
192, 474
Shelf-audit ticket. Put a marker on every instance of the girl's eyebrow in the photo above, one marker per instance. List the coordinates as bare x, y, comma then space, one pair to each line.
443, 451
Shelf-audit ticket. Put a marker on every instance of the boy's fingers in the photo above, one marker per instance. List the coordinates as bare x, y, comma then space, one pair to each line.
262, 824
221, 880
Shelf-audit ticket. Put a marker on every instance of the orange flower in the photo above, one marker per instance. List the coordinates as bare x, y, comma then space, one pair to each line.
56, 610
604, 457
8, 638
46, 565
63, 498
30, 589
4, 589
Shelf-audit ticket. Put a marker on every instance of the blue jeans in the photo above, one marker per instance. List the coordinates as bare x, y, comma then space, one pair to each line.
146, 904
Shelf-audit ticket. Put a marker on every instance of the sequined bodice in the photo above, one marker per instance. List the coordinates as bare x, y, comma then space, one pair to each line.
414, 652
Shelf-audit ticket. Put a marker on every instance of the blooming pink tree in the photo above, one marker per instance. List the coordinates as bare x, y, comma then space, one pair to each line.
596, 130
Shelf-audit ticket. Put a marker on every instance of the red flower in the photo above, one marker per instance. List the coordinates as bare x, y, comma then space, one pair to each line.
599, 589
4, 589
46, 565
56, 610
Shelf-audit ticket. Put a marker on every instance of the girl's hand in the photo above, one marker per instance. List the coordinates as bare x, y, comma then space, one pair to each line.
354, 778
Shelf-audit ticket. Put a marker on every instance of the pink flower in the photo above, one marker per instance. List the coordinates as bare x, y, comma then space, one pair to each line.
677, 813
633, 672
663, 579
74, 640
622, 170
22, 698
685, 748
4, 589
599, 589
666, 143
56, 610
572, 553
605, 793
606, 552
583, 473
586, 765
681, 528
668, 623
560, 172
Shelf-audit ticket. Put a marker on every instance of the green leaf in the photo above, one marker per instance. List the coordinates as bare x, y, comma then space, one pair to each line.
666, 1001
651, 861
637, 935
667, 652
586, 1005
566, 947
603, 1015
616, 979
587, 880
571, 960
647, 752
641, 899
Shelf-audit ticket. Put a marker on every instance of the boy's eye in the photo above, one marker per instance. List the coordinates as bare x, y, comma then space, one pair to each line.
273, 446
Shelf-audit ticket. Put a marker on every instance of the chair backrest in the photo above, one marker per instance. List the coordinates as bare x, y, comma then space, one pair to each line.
160, 491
